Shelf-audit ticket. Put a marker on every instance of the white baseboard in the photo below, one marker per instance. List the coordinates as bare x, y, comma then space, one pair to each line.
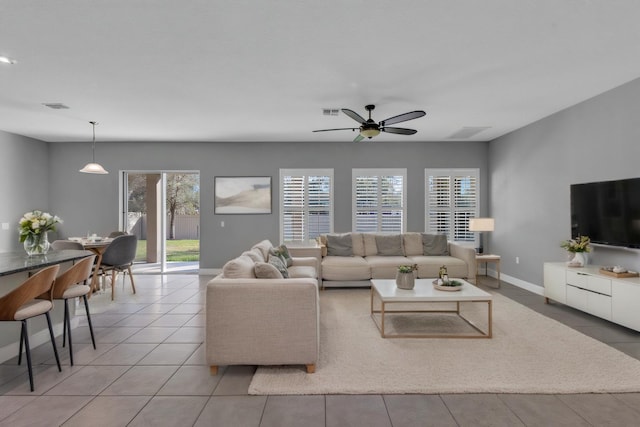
517, 282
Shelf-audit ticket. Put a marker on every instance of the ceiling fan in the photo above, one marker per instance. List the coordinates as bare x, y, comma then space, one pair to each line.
368, 128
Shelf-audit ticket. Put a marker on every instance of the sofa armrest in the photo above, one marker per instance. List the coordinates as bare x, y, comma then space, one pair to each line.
307, 261
262, 321
467, 254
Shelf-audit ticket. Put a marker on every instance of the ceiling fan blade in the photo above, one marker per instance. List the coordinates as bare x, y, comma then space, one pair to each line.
402, 117
358, 138
327, 130
355, 116
401, 131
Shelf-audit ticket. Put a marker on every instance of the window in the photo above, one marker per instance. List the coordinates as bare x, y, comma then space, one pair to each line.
306, 204
379, 200
452, 198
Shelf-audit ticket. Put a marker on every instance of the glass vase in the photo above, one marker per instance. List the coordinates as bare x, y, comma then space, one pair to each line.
37, 244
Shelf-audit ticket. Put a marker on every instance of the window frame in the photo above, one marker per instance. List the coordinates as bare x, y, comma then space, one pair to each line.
452, 173
378, 172
306, 209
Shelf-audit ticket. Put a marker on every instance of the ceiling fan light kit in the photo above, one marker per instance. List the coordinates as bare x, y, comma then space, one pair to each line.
369, 128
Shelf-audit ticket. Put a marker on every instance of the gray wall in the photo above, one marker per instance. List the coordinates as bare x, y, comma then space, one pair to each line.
532, 169
24, 183
90, 202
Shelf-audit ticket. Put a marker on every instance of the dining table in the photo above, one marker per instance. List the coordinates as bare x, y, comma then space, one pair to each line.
97, 245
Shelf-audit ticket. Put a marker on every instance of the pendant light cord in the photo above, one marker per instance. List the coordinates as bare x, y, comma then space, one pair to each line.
94, 140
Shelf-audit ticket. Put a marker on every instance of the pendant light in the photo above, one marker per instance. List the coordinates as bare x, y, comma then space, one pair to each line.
94, 167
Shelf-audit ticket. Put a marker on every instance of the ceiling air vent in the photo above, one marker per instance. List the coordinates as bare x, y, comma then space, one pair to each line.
330, 111
56, 105
467, 132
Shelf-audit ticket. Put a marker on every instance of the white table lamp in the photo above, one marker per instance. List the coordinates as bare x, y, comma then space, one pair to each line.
480, 225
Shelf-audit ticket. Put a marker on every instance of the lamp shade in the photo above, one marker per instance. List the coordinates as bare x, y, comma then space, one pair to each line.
94, 168
481, 224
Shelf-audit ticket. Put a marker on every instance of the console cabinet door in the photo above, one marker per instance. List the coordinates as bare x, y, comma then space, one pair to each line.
555, 283
625, 301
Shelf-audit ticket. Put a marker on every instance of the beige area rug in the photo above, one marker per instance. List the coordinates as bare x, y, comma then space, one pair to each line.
529, 353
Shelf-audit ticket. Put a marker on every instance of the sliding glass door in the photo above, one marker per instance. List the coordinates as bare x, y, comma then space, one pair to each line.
162, 208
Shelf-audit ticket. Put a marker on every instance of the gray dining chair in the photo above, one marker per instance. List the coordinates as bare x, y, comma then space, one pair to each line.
59, 245
116, 234
118, 258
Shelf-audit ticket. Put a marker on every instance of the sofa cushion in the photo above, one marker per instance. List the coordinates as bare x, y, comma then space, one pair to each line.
301, 271
389, 245
357, 240
255, 254
339, 244
263, 247
278, 263
239, 268
412, 244
434, 244
283, 253
264, 270
385, 267
428, 266
370, 247
345, 268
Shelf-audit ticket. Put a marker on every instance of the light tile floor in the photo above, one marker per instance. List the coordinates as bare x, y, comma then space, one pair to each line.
149, 370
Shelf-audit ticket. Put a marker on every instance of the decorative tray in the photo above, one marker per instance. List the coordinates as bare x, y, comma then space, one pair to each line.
618, 275
457, 287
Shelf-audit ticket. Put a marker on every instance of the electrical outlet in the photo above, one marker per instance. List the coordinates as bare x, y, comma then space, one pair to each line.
5, 225
222, 224
517, 260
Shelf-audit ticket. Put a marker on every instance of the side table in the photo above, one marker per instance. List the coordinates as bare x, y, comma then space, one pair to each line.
486, 259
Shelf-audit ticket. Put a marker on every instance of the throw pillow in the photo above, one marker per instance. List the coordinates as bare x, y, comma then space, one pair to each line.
263, 247
435, 244
389, 245
278, 263
265, 270
254, 254
239, 268
283, 253
339, 245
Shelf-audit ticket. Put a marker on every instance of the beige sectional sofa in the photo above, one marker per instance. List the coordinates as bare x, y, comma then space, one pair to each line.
252, 319
377, 256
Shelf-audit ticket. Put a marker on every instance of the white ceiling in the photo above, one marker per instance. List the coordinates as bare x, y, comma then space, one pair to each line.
246, 70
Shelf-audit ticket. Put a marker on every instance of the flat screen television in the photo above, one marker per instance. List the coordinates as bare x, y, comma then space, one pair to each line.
608, 212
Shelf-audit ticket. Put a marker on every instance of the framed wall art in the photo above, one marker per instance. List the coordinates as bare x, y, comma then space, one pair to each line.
242, 194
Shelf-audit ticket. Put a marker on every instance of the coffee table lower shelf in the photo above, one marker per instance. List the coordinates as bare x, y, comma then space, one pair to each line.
381, 311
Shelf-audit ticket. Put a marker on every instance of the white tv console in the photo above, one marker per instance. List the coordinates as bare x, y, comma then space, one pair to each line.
585, 288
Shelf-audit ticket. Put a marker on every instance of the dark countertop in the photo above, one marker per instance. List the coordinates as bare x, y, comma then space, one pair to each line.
16, 262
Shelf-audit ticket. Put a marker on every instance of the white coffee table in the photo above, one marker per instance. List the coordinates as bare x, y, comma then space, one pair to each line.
388, 294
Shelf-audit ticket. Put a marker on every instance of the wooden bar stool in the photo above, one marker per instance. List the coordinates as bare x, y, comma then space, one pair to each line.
73, 284
32, 298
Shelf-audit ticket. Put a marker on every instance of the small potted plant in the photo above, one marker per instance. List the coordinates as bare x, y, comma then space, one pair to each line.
578, 247
405, 277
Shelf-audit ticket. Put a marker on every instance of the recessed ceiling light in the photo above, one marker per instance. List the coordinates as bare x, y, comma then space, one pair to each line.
56, 105
6, 60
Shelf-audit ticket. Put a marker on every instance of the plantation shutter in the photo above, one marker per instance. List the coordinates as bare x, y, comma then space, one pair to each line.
306, 204
379, 200
452, 198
